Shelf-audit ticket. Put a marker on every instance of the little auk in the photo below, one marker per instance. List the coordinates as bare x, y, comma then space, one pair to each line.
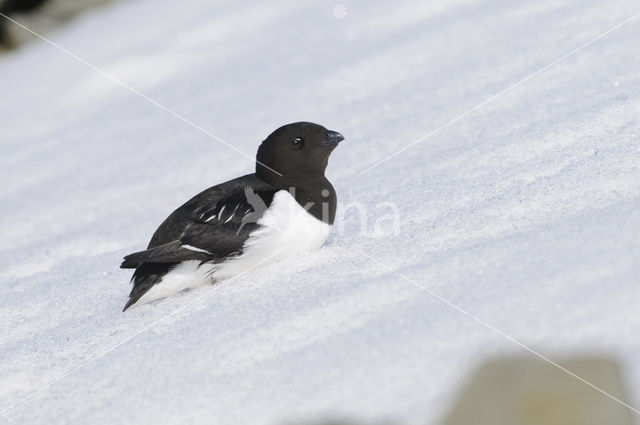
286, 207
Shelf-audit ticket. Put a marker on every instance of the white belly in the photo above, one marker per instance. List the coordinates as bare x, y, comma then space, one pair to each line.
285, 228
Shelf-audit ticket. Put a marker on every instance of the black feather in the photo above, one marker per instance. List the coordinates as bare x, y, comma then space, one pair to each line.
144, 278
173, 252
215, 221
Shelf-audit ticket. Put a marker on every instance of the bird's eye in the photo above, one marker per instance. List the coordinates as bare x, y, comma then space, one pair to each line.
297, 143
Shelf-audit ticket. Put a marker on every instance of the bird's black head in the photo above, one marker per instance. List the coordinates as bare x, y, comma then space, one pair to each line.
296, 153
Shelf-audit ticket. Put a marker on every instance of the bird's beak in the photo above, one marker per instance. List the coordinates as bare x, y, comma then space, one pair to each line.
332, 138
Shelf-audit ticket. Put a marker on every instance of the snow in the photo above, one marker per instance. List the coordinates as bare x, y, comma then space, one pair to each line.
525, 212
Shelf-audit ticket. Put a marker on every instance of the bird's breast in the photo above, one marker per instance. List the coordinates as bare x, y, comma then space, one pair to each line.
285, 228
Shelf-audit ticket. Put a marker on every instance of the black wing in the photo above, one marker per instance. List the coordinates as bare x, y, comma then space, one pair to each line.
211, 226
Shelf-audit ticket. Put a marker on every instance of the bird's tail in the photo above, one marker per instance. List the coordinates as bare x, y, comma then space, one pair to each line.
144, 278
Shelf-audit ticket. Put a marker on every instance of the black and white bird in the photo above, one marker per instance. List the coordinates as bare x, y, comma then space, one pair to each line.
286, 207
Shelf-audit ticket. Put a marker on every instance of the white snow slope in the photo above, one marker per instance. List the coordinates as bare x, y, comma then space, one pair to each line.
524, 212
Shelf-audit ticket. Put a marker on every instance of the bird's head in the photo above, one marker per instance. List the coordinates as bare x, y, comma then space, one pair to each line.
299, 152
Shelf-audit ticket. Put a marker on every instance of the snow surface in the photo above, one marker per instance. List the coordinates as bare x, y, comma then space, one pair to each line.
525, 212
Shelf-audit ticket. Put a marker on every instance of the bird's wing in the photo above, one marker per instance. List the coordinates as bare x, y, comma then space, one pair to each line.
172, 252
214, 230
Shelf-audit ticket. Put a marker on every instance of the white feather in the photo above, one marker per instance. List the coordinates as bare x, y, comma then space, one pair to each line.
186, 275
221, 211
195, 249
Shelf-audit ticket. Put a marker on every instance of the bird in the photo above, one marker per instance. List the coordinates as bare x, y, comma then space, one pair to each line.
286, 207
